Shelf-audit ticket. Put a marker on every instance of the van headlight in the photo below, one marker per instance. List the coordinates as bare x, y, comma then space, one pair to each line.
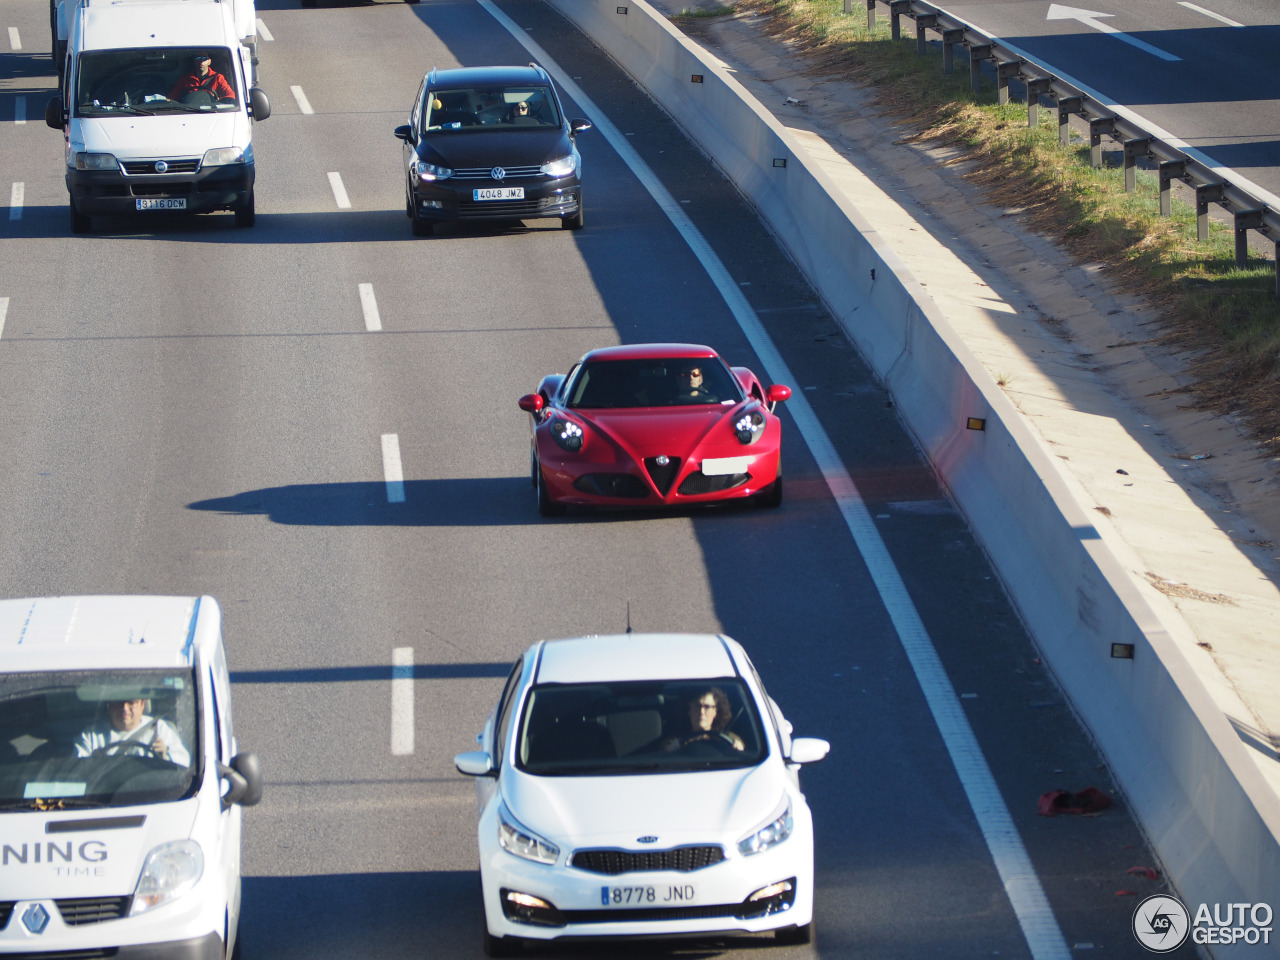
96, 161
522, 842
429, 171
223, 156
770, 834
170, 870
560, 167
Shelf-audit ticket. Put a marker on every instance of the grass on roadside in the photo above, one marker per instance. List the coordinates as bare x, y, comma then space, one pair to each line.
1227, 319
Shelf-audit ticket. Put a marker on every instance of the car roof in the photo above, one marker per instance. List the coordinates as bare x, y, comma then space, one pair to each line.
485, 76
60, 633
636, 656
650, 351
111, 27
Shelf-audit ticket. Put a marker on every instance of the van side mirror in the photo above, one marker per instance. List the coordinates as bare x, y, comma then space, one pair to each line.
245, 779
53, 113
259, 105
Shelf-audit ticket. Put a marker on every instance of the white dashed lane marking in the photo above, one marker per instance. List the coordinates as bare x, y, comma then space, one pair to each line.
19, 109
402, 701
339, 191
1209, 13
391, 468
4, 310
303, 103
369, 306
15, 42
17, 196
263, 32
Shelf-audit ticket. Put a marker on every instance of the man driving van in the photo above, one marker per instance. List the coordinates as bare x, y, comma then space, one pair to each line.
129, 731
203, 77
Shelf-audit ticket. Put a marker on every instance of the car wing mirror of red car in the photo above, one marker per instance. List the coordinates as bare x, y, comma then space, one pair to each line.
777, 393
533, 402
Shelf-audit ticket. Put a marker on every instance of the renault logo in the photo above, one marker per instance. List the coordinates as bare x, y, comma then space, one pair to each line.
35, 918
498, 173
161, 166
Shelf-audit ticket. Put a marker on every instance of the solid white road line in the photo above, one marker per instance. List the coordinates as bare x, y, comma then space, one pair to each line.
369, 306
4, 310
263, 32
19, 109
1209, 13
1021, 884
391, 468
303, 103
16, 198
339, 191
401, 701
15, 42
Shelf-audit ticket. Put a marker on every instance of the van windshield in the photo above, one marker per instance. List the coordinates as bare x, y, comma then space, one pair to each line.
97, 738
153, 80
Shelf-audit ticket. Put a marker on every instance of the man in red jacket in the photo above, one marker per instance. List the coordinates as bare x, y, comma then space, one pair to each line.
203, 77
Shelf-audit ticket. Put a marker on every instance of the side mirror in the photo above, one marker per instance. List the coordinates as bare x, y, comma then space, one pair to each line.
53, 113
808, 750
245, 779
577, 126
259, 105
404, 132
777, 393
474, 763
531, 403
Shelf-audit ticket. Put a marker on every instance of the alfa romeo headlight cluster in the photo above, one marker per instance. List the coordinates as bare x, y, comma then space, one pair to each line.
749, 427
567, 434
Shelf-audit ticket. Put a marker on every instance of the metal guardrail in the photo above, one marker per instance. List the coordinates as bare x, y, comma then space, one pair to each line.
1247, 211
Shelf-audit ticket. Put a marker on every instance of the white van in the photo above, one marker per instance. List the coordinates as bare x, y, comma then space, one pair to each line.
120, 780
157, 107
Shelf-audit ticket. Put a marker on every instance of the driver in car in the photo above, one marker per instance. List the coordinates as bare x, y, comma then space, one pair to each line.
709, 715
129, 731
202, 78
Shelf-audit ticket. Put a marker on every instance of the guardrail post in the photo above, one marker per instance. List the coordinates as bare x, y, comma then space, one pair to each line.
1066, 107
896, 9
1006, 70
871, 15
925, 21
1133, 150
977, 53
1097, 127
1170, 170
1245, 220
1206, 193
949, 40
1035, 90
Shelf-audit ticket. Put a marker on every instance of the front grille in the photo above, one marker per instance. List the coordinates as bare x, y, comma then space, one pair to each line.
663, 476
92, 909
6, 911
626, 485
699, 482
143, 168
681, 859
516, 209
486, 173
161, 189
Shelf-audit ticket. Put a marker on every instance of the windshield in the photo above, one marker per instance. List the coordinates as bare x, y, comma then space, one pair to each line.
670, 382
151, 80
96, 738
607, 729
491, 108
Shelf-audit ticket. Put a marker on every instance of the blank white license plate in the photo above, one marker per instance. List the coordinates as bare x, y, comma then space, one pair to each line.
667, 895
498, 193
724, 466
163, 203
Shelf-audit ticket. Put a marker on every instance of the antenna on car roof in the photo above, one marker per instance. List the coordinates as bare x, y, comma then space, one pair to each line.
628, 616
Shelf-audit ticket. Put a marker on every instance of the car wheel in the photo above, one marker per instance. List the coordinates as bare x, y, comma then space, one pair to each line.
771, 496
533, 469
408, 204
546, 506
80, 223
574, 222
793, 936
421, 228
245, 215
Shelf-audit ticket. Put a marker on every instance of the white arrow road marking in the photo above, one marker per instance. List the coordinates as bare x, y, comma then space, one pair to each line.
1209, 13
369, 306
402, 701
391, 468
1089, 18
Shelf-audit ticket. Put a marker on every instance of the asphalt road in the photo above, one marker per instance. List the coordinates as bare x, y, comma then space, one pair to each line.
1218, 97
190, 408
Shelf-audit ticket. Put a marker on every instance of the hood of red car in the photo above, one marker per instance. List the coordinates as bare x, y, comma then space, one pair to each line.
648, 432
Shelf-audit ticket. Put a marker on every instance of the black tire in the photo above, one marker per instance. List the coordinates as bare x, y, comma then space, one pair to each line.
533, 470
421, 228
408, 205
794, 936
245, 215
501, 946
771, 497
80, 222
576, 221
546, 506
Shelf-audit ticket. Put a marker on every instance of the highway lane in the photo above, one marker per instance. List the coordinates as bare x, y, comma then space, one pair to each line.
194, 408
1218, 97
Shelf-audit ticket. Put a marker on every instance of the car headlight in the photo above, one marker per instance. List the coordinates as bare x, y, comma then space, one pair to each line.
96, 161
222, 156
429, 171
567, 434
170, 870
522, 842
749, 427
771, 834
560, 167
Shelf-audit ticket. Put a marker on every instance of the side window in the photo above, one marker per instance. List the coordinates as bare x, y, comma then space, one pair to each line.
415, 118
503, 715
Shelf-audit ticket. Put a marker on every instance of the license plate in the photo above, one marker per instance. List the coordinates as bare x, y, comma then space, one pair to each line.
647, 896
163, 203
724, 466
498, 193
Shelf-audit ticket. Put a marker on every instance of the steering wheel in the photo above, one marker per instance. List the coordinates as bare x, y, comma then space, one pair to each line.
716, 739
123, 746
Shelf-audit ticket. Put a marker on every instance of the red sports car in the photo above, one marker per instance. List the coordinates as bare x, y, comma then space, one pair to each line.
654, 424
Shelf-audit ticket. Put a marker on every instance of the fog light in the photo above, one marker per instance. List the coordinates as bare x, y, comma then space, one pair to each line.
432, 205
526, 908
776, 898
782, 886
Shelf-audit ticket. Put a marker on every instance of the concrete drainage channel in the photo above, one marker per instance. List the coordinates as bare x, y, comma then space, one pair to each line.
1200, 796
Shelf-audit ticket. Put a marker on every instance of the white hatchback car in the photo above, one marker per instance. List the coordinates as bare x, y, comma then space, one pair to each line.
641, 785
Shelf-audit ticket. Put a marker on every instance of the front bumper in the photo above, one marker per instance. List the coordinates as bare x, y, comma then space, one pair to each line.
453, 200
111, 193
